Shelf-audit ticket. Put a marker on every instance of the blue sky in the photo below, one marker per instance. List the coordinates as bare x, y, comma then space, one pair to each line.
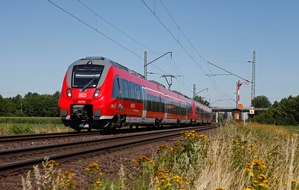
39, 41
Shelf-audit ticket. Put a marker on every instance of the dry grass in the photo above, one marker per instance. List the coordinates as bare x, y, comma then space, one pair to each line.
236, 156
253, 156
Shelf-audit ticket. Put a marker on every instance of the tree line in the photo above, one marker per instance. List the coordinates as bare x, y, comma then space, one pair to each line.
285, 112
31, 105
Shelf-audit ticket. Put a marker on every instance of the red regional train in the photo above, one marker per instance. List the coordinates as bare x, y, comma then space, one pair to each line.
98, 93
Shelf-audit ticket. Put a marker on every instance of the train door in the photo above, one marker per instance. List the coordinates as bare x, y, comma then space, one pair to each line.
193, 115
144, 100
119, 105
165, 106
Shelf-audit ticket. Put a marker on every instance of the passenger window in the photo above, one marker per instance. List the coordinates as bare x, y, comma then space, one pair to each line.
138, 92
116, 88
132, 90
126, 88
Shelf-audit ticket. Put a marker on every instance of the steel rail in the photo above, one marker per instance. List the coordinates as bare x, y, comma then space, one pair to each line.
18, 138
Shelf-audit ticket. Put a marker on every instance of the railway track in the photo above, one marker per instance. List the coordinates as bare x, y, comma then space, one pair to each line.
14, 160
18, 138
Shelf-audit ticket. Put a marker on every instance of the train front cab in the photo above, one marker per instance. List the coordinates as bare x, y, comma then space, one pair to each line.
83, 101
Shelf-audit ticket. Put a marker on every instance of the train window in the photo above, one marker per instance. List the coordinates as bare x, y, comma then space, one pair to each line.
125, 89
116, 88
163, 100
182, 109
121, 85
86, 76
138, 92
197, 110
161, 105
132, 91
153, 103
144, 96
169, 106
158, 104
148, 102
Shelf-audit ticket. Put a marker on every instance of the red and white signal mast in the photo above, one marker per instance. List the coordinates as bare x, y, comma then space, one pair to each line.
239, 84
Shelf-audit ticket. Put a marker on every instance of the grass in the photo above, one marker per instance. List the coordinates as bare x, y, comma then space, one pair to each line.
236, 156
292, 128
30, 125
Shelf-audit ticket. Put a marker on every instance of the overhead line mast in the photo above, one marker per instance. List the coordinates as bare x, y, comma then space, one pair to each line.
253, 78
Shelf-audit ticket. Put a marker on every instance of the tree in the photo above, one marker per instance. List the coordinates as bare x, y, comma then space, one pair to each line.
32, 104
201, 100
285, 112
261, 102
2, 107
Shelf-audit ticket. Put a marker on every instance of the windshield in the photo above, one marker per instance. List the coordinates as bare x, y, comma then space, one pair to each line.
86, 76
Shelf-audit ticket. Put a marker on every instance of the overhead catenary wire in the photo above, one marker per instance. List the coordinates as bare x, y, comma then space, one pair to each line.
95, 29
90, 26
179, 28
125, 34
196, 49
180, 44
216, 87
229, 72
192, 46
174, 37
131, 38
106, 36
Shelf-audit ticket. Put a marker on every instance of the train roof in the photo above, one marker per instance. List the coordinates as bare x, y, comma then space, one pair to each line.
113, 63
179, 93
155, 82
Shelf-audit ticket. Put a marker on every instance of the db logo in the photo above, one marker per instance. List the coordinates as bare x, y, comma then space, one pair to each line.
82, 95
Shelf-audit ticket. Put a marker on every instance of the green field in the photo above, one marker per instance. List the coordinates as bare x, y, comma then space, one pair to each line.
292, 128
31, 125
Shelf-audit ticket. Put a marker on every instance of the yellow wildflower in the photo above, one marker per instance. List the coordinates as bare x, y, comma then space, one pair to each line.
98, 184
94, 165
263, 185
52, 163
259, 163
261, 176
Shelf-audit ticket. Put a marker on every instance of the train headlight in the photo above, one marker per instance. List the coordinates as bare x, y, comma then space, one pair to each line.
96, 93
69, 93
